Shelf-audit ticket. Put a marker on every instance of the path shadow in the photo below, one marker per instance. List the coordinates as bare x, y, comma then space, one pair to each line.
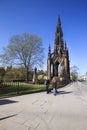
61, 92
7, 101
3, 118
64, 92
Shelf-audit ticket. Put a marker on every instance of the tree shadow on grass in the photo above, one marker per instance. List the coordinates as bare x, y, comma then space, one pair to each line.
7, 101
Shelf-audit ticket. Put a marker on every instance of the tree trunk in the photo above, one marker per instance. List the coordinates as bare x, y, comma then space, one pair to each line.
27, 74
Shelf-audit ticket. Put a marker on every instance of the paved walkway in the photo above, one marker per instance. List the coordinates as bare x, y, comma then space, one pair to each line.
41, 111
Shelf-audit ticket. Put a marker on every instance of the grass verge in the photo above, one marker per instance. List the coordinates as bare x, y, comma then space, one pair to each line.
13, 89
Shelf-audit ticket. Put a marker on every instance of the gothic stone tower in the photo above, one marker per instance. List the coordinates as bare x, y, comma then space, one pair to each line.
58, 61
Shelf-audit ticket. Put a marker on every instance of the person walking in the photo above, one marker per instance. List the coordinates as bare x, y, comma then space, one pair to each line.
47, 82
54, 85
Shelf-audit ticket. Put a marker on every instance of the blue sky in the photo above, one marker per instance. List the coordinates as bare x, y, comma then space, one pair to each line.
40, 17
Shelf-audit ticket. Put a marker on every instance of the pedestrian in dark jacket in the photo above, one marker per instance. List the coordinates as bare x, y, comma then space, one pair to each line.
47, 82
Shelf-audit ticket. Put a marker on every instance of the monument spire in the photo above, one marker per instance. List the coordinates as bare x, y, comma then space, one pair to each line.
59, 21
60, 56
49, 51
59, 28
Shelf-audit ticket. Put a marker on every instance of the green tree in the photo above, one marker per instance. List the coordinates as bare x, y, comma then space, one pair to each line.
74, 72
2, 73
24, 50
14, 74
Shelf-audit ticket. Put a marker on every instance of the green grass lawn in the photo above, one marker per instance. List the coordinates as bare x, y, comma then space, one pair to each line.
12, 89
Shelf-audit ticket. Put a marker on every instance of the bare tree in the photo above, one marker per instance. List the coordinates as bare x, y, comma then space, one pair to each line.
26, 50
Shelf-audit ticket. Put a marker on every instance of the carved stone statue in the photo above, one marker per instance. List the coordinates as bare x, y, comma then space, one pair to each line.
35, 75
